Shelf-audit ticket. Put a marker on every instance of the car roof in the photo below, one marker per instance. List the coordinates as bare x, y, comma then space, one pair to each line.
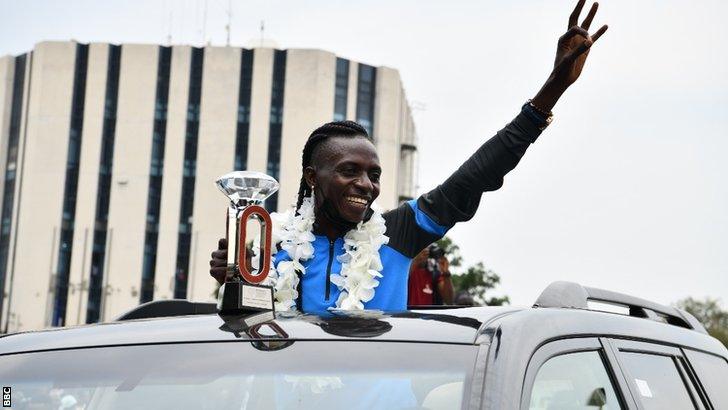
526, 327
460, 326
530, 328
561, 311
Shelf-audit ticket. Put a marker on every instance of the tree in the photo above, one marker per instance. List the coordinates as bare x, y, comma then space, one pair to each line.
710, 314
475, 281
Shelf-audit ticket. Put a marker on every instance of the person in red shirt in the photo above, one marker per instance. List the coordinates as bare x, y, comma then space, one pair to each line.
429, 279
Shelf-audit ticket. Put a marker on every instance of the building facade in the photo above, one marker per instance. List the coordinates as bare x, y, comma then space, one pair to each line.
109, 152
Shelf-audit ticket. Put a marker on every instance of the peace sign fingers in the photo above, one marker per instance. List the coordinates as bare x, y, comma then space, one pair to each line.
574, 17
589, 17
572, 51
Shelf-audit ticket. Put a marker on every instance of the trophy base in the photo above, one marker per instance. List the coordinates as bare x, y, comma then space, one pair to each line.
242, 297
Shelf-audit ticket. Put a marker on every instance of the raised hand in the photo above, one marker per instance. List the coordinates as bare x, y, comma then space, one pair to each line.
443, 265
571, 53
574, 46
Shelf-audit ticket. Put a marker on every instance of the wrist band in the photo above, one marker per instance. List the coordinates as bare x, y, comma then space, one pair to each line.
538, 110
541, 118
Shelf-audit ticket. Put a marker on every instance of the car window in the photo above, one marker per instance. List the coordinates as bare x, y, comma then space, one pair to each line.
574, 381
657, 381
713, 374
301, 375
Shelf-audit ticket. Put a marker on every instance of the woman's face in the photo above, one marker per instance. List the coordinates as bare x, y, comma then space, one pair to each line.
346, 173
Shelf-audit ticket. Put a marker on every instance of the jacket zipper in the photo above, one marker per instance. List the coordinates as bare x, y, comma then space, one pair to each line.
328, 269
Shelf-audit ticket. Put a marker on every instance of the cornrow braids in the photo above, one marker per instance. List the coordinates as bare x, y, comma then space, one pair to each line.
317, 137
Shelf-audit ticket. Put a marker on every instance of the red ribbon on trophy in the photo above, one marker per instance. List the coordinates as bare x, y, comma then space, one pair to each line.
266, 226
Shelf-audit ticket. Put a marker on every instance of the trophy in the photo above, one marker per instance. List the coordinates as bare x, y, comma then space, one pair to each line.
242, 291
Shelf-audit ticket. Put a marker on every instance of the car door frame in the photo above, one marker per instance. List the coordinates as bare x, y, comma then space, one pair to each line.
574, 345
614, 346
700, 384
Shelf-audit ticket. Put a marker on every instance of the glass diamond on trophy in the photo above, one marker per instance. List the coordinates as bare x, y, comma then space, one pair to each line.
247, 187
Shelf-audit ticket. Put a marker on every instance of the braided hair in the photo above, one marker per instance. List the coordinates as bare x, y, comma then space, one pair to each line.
348, 129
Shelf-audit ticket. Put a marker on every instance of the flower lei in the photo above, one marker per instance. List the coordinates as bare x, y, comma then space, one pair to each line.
360, 263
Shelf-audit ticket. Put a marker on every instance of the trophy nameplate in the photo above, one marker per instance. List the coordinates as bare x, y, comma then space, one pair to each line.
243, 291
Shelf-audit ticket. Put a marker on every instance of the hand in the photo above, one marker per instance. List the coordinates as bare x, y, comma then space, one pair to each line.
571, 53
420, 260
574, 46
444, 282
444, 265
218, 261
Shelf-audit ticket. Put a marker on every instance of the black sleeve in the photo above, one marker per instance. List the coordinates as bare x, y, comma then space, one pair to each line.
457, 199
405, 235
414, 225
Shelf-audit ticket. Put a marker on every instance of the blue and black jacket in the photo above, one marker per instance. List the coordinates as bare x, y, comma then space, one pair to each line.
414, 225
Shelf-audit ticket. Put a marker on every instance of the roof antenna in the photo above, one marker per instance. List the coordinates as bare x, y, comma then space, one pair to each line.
169, 33
262, 32
204, 25
230, 19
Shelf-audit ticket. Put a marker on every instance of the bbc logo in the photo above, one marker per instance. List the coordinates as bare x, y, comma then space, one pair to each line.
6, 396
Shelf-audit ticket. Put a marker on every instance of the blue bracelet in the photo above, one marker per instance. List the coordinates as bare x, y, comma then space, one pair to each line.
538, 119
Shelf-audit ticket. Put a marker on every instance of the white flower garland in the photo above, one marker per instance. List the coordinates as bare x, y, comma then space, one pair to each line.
360, 263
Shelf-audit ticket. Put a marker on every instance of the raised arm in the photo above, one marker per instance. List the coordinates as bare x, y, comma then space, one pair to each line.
458, 197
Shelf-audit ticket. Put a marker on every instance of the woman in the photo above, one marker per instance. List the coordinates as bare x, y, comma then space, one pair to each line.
337, 250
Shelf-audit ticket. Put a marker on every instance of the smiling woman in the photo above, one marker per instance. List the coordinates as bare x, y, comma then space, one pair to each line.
336, 235
341, 166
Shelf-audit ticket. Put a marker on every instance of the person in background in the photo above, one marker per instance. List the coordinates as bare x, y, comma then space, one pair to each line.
429, 278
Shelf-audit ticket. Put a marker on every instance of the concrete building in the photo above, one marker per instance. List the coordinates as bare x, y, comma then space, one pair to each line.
109, 152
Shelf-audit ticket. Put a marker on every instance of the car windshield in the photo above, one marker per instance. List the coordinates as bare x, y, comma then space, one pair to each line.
244, 375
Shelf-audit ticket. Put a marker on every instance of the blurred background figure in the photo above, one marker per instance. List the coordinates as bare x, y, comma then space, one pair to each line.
463, 298
429, 278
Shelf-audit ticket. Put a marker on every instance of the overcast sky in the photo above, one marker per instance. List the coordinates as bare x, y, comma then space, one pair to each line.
625, 190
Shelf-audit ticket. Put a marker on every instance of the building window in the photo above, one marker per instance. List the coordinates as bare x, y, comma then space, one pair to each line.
156, 167
103, 189
188, 175
341, 89
365, 95
243, 126
16, 111
71, 185
276, 123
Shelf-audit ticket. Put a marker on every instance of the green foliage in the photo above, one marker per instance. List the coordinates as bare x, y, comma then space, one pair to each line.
476, 281
710, 314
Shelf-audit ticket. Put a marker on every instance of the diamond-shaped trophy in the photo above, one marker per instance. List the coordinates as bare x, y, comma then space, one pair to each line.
242, 291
